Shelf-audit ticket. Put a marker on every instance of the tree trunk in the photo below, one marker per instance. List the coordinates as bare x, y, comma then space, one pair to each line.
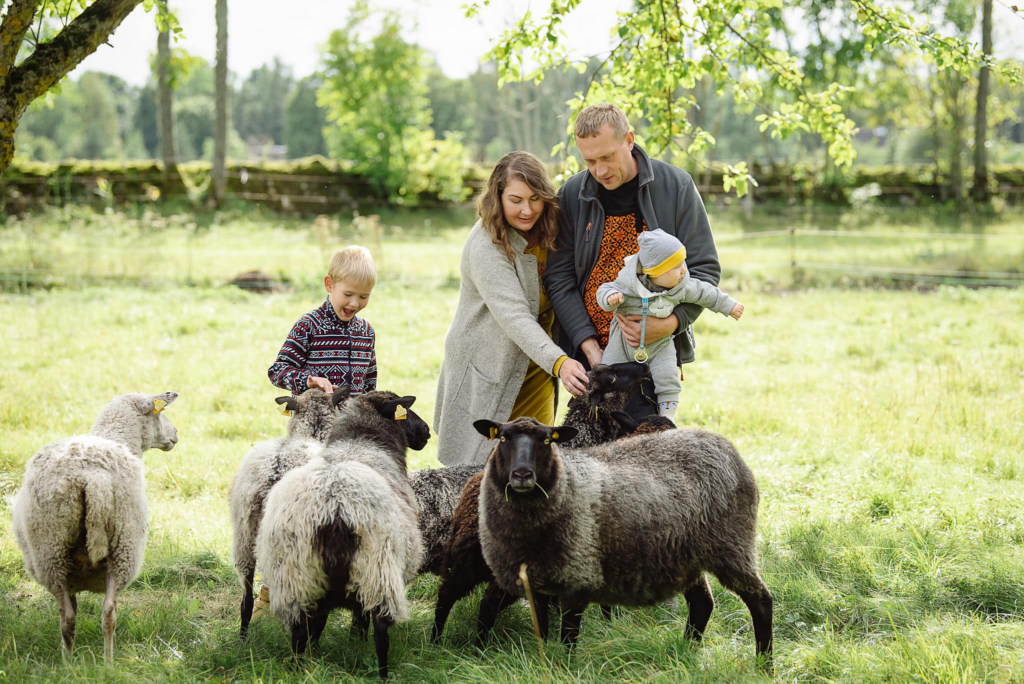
220, 132
50, 62
979, 190
165, 95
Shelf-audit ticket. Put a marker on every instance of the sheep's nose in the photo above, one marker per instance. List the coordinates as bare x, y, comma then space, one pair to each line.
522, 475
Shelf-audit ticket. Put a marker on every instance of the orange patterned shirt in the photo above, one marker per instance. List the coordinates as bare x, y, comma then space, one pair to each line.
618, 242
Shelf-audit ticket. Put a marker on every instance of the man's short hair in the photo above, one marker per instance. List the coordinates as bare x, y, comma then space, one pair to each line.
354, 265
590, 121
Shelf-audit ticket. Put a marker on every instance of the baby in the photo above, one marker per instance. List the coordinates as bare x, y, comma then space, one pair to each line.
657, 272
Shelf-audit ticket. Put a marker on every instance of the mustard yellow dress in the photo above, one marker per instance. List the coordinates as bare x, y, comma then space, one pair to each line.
536, 397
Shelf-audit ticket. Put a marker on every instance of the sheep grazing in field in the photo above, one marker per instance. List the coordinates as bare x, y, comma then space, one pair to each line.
312, 414
341, 531
631, 524
437, 494
81, 516
596, 417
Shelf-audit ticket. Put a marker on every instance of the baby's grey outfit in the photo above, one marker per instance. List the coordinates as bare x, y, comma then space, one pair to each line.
660, 304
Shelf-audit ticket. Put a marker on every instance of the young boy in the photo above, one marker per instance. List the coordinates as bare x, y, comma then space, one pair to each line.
331, 345
658, 272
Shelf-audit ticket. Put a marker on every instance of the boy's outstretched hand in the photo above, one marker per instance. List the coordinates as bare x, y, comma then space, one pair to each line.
737, 311
320, 383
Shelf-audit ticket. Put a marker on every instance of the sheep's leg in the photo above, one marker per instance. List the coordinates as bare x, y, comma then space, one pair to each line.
247, 603
572, 619
109, 616
752, 591
317, 623
700, 603
543, 603
494, 601
450, 592
68, 608
300, 634
360, 624
381, 643
606, 612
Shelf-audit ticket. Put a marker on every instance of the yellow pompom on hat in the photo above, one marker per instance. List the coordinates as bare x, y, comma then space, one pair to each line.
659, 252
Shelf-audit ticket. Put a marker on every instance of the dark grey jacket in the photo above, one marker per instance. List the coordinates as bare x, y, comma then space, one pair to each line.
668, 200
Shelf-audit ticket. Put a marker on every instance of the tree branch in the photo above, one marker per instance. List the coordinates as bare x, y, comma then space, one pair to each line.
15, 25
51, 61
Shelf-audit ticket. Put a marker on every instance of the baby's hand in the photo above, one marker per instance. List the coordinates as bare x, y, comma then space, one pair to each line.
320, 383
737, 311
615, 298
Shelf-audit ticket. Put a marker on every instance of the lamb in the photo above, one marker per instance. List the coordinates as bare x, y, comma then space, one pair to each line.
597, 417
341, 531
81, 516
312, 414
632, 523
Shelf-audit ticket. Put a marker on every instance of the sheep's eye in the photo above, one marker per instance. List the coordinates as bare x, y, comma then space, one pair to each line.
503, 438
547, 441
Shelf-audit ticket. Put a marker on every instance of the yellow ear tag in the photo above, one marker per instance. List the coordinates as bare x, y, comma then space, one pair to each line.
285, 412
401, 413
494, 433
554, 435
158, 405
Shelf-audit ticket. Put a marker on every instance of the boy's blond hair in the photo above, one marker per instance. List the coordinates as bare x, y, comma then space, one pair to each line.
354, 265
590, 121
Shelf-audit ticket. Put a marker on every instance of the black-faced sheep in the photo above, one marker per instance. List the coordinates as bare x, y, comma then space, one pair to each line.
596, 415
341, 531
81, 516
312, 414
631, 523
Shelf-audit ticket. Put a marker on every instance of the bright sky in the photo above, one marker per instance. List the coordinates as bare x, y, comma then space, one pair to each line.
260, 29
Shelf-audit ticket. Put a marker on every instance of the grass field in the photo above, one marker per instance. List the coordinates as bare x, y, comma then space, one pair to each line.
884, 427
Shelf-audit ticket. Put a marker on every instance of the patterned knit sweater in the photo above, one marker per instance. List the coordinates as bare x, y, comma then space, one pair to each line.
321, 345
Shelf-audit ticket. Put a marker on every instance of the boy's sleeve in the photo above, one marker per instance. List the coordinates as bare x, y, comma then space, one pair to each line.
289, 369
708, 296
604, 292
370, 379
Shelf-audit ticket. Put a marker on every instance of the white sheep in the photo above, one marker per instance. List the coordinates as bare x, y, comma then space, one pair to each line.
312, 414
81, 516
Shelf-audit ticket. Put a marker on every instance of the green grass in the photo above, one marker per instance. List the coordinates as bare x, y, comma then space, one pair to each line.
884, 427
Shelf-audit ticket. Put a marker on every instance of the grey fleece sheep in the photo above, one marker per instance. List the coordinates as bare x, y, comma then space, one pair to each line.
437, 493
631, 523
81, 516
341, 531
312, 414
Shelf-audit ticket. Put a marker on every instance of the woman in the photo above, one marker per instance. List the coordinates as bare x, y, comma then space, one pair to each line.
499, 357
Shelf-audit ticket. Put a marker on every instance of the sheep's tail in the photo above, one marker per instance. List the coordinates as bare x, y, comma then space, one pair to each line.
99, 512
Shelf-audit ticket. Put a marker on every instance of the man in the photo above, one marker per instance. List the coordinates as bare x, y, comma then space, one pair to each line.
622, 193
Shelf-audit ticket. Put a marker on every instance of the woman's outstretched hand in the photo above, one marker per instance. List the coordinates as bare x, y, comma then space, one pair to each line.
573, 377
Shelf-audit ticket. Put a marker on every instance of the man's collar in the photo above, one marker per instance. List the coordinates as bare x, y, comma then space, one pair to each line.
645, 172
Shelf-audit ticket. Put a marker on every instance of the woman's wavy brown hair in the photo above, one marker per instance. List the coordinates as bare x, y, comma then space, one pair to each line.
527, 168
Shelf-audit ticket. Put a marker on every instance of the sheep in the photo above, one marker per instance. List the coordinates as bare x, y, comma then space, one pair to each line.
312, 414
632, 523
437, 493
341, 531
597, 417
81, 516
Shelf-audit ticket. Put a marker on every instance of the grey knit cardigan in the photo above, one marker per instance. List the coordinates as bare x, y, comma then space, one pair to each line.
489, 345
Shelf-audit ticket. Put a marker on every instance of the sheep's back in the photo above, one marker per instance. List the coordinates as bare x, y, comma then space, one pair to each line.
437, 494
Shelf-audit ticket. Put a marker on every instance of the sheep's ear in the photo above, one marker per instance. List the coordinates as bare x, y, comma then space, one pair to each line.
487, 428
397, 408
155, 403
563, 434
625, 421
289, 403
341, 393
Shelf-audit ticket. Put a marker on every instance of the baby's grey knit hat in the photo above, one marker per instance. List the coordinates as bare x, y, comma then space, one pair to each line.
659, 252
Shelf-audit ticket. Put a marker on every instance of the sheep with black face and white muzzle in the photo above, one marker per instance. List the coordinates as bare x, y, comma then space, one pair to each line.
81, 516
341, 531
311, 415
631, 523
